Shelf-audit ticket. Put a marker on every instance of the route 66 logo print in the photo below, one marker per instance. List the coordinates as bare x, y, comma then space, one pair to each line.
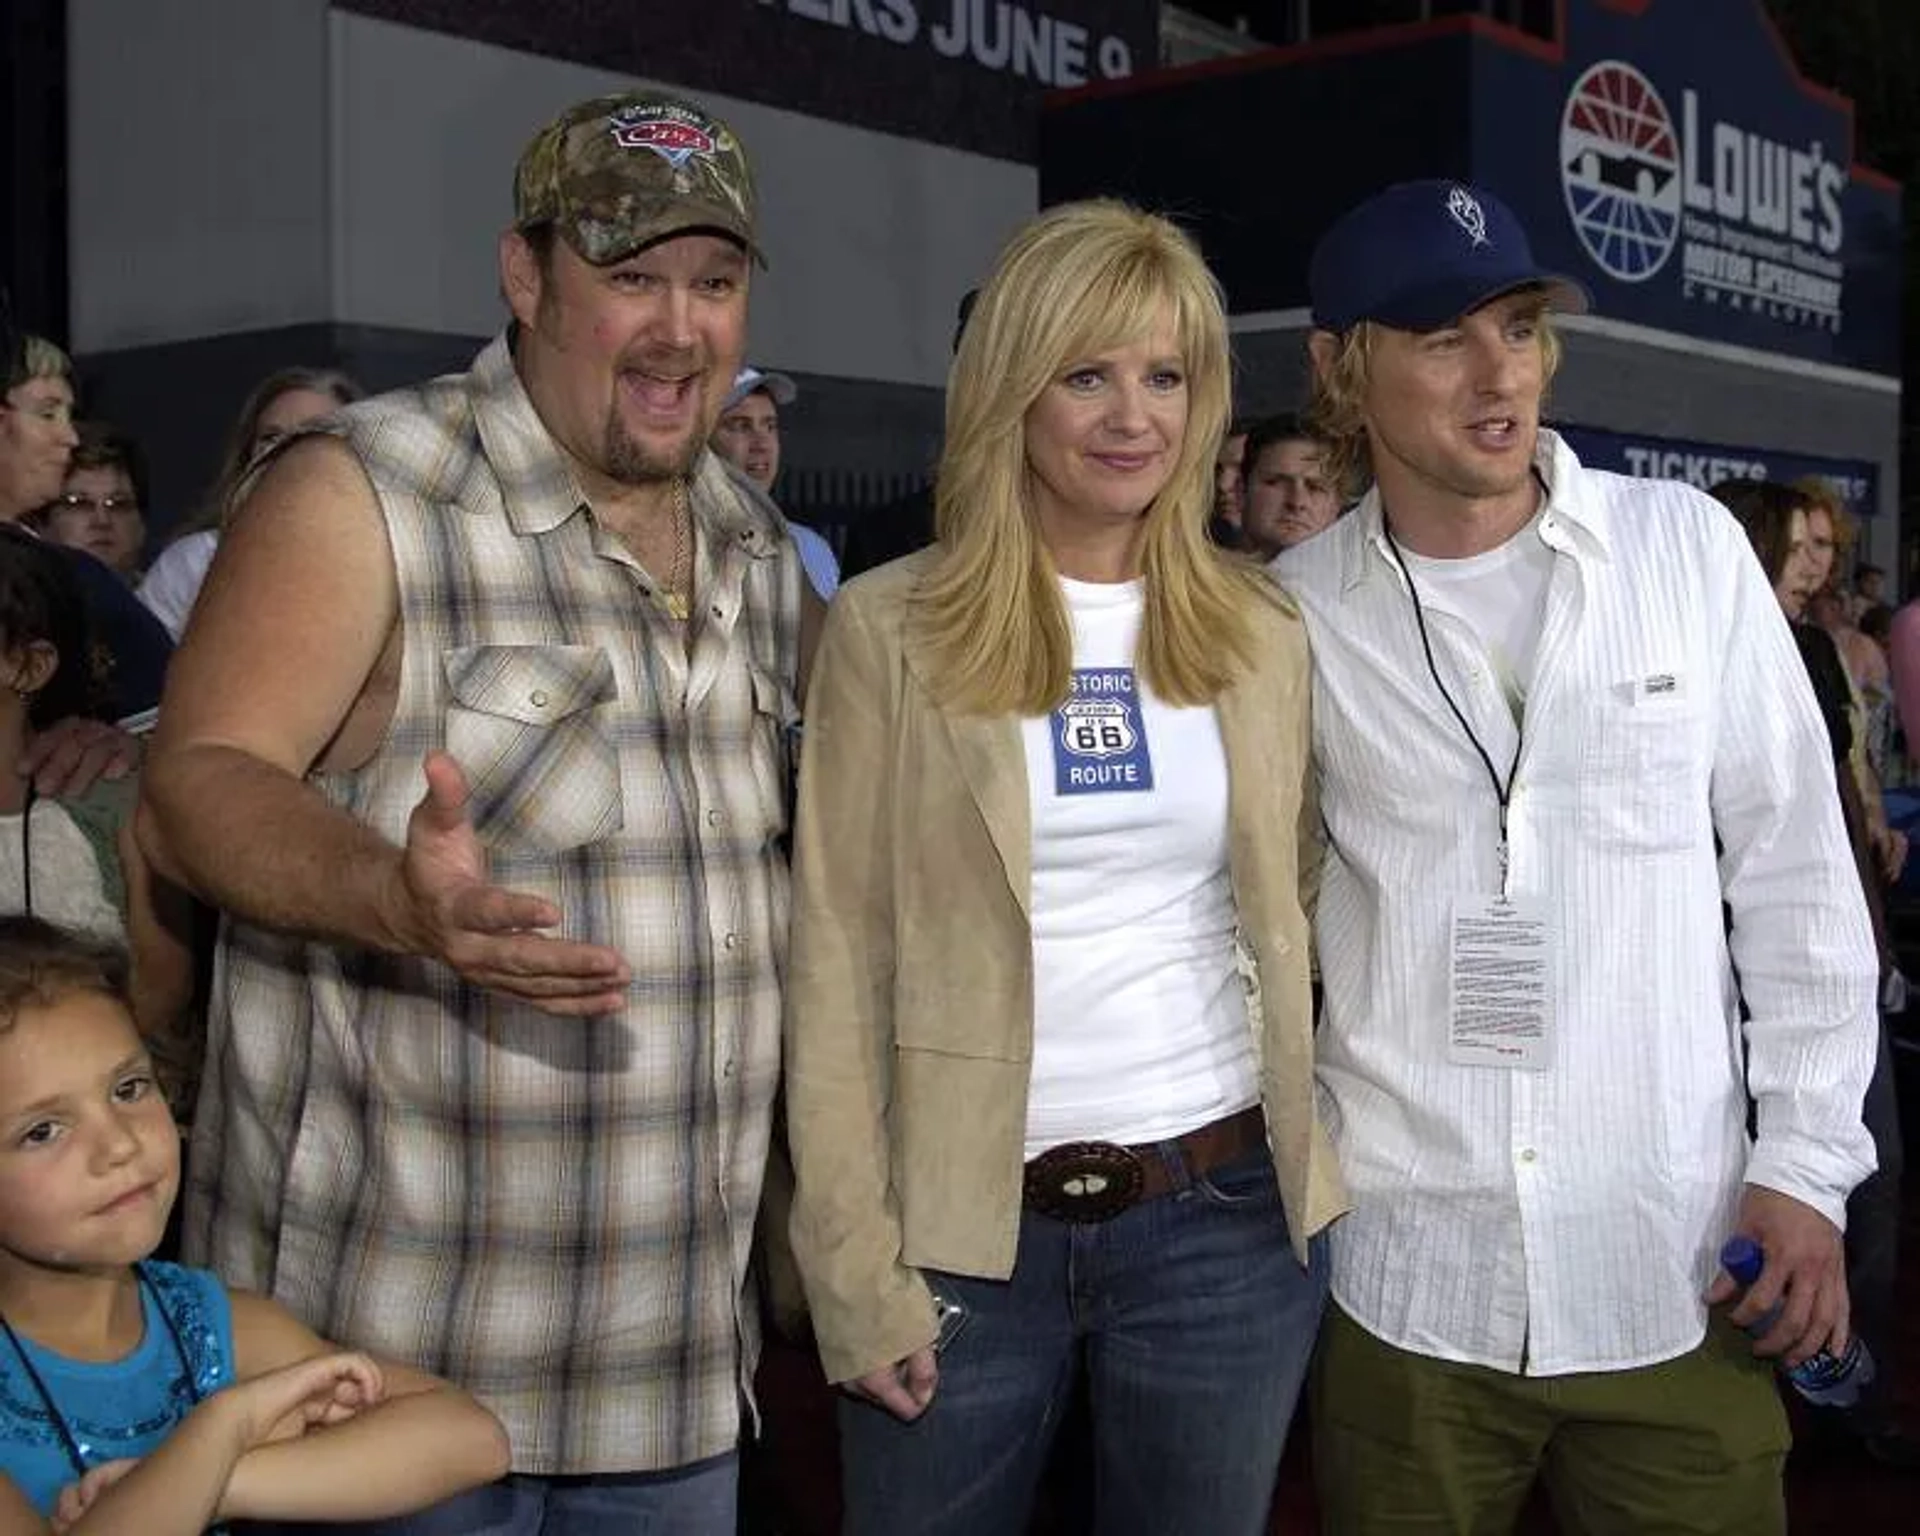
1097, 728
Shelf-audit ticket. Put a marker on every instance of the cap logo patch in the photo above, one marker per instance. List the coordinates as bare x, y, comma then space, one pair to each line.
1469, 215
674, 139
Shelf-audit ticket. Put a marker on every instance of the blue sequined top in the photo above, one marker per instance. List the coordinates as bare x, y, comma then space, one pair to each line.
123, 1407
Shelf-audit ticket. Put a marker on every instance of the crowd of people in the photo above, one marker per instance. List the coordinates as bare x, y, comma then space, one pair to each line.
1354, 905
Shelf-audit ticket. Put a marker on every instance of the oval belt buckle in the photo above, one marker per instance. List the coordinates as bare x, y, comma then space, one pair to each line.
1084, 1181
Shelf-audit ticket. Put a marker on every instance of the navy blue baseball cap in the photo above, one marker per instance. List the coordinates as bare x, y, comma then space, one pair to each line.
1421, 254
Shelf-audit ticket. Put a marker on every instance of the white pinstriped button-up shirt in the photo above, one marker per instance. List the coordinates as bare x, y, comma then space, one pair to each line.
1569, 1219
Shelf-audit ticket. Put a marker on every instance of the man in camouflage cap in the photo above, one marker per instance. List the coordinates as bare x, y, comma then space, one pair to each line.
490, 1069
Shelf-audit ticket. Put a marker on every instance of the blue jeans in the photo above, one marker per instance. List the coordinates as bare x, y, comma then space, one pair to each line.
1194, 1323
688, 1501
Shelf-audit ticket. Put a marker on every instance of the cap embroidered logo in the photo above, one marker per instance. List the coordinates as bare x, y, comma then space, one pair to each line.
672, 138
1400, 258
1468, 214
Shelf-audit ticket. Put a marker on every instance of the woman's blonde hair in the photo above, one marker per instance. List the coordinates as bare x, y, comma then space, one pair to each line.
1079, 280
1337, 411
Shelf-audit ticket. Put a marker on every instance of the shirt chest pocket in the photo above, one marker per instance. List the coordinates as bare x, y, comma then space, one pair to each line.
1644, 778
523, 721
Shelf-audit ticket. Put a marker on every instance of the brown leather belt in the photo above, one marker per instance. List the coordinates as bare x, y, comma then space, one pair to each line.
1097, 1180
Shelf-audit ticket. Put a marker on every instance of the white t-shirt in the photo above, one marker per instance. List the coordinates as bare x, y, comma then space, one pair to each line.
1502, 594
68, 888
173, 581
1140, 1017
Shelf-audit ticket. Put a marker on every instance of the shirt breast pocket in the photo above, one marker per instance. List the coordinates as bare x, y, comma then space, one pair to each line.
523, 721
1646, 777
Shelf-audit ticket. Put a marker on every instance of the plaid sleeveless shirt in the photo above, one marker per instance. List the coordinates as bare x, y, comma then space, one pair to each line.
554, 1213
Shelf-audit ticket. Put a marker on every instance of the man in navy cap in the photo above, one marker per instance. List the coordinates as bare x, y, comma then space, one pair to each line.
1559, 721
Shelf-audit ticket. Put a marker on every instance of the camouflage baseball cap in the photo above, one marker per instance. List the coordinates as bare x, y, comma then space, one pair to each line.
620, 172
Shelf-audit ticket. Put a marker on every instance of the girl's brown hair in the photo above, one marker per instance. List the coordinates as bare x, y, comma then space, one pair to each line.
41, 963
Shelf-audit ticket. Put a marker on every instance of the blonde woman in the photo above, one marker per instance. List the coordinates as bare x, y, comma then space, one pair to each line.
1050, 1043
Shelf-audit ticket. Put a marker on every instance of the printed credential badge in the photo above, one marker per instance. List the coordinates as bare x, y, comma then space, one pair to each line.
1099, 741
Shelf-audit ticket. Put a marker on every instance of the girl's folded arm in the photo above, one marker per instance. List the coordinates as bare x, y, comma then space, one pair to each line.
425, 1441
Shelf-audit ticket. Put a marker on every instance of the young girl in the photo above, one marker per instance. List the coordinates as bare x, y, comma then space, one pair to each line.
142, 1397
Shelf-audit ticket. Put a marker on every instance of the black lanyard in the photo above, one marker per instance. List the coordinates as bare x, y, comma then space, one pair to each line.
26, 851
75, 1456
1502, 788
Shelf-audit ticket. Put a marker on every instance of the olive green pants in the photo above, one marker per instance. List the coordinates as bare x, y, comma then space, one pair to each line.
1405, 1443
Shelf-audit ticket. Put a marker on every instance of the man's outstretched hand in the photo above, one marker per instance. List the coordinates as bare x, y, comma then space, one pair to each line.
444, 906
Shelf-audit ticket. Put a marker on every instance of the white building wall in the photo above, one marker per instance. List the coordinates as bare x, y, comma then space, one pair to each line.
246, 164
197, 150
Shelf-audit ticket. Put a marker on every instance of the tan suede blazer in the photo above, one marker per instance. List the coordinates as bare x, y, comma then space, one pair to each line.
910, 996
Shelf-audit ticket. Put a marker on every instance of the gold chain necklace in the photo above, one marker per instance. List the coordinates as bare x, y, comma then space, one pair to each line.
676, 597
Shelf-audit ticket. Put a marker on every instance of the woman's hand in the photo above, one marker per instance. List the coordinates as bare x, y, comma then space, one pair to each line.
1890, 849
904, 1388
70, 756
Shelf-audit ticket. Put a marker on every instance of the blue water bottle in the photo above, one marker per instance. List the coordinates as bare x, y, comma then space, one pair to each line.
1826, 1380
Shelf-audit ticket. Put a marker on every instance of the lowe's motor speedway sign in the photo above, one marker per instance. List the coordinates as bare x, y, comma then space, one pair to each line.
1677, 162
1750, 222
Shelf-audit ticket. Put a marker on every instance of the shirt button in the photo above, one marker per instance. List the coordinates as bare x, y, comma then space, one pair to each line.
1528, 1155
537, 699
732, 941
713, 818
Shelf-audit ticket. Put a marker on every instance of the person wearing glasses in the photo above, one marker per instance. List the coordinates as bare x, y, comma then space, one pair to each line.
98, 510
37, 440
